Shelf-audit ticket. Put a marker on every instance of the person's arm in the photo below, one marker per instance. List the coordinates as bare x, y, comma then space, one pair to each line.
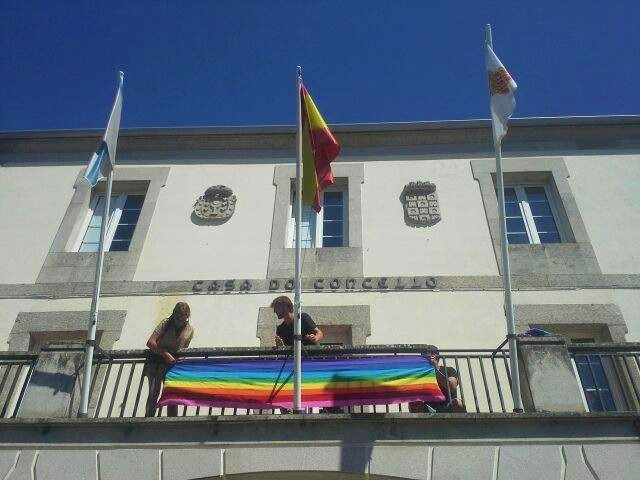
316, 336
309, 325
184, 339
152, 344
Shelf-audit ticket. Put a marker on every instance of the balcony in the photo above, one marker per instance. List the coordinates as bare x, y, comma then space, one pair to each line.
581, 416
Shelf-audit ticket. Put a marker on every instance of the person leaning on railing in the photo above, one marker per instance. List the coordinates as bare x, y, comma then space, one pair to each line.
169, 337
448, 382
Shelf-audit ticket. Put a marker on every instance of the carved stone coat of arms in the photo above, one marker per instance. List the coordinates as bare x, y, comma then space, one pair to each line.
421, 207
217, 203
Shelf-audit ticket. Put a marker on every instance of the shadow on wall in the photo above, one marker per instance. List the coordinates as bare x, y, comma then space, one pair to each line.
207, 223
301, 476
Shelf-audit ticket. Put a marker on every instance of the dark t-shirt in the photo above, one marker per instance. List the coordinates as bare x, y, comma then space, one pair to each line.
443, 379
285, 330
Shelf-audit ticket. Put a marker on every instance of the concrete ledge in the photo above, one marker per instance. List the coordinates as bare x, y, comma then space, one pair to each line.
353, 428
450, 283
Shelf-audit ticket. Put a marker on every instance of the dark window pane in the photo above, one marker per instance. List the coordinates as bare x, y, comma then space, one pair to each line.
134, 202
333, 213
552, 237
601, 379
119, 245
585, 374
332, 242
609, 405
332, 229
124, 232
510, 195
540, 208
513, 209
593, 401
130, 216
333, 199
514, 238
545, 224
515, 225
535, 194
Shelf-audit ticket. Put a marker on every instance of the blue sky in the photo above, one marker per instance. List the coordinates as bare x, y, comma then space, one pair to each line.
192, 63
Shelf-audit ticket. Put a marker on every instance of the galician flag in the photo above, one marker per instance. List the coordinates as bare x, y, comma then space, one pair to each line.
319, 149
501, 89
104, 158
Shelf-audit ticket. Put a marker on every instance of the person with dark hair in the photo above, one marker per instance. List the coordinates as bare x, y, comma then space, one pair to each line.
169, 337
283, 308
448, 381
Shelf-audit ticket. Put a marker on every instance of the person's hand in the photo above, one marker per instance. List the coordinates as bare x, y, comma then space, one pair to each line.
279, 342
311, 337
168, 358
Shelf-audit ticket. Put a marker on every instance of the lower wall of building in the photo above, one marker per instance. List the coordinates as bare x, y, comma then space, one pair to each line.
426, 447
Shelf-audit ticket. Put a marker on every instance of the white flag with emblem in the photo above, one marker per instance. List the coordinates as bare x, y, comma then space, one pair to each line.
104, 158
501, 90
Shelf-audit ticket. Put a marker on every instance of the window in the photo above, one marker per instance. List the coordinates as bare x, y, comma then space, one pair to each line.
124, 211
530, 215
325, 229
594, 383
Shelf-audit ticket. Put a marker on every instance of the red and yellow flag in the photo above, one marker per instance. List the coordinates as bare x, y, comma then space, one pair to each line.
319, 149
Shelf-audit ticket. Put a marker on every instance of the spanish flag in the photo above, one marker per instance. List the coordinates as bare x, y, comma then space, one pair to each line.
319, 149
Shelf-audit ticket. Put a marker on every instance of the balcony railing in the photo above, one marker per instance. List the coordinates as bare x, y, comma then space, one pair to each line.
15, 371
120, 390
609, 375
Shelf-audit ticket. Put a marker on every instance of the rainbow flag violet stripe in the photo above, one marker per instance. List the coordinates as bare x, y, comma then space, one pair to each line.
325, 383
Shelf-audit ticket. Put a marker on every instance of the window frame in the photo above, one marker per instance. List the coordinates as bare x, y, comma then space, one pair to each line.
119, 201
319, 227
527, 214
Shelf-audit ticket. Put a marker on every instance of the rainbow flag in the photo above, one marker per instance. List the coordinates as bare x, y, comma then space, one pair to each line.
325, 382
319, 149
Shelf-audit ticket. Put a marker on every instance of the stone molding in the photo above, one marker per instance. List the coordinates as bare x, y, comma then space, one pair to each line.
358, 317
336, 261
576, 132
442, 283
33, 324
63, 265
575, 255
604, 320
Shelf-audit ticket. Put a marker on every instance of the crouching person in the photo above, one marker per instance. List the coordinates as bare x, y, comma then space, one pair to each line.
169, 337
448, 381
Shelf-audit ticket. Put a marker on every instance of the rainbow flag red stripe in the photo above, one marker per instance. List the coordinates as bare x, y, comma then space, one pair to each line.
325, 383
319, 149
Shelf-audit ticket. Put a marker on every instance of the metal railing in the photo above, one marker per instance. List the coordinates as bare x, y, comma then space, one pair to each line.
119, 389
15, 371
609, 375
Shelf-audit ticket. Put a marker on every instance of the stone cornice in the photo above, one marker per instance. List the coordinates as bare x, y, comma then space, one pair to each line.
363, 284
583, 132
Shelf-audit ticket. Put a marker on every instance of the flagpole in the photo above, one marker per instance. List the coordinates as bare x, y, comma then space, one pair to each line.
506, 269
95, 300
297, 364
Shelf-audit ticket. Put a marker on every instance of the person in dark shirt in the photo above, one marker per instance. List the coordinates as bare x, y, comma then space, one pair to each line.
448, 381
283, 308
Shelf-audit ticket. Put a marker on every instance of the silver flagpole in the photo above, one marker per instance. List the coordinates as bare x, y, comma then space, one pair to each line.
506, 269
297, 364
93, 318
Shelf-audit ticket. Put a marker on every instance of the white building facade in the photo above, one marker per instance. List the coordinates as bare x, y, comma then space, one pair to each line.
573, 218
405, 253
